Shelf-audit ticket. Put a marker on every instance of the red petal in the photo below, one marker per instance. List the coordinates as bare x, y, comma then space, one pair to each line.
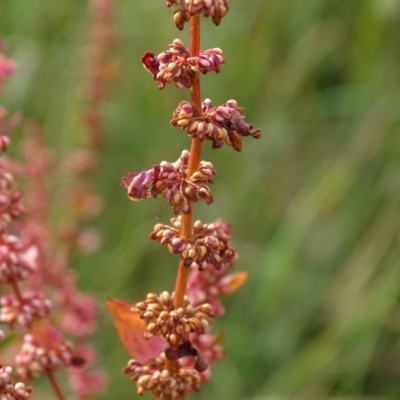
130, 329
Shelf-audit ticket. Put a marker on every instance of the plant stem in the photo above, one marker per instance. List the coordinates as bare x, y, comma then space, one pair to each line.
195, 154
55, 385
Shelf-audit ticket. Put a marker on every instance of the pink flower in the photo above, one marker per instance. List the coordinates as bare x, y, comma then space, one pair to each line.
7, 67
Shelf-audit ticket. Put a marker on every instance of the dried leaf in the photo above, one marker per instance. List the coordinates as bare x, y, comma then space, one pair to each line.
46, 335
130, 329
232, 282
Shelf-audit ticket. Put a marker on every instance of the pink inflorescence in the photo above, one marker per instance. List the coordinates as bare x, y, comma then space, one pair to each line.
8, 389
79, 314
208, 285
17, 261
7, 68
34, 359
171, 180
176, 65
21, 310
82, 379
11, 200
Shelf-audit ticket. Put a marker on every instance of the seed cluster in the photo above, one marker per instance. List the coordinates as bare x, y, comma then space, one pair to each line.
208, 245
21, 311
155, 378
174, 325
9, 390
176, 65
171, 181
11, 206
222, 124
17, 261
34, 360
185, 9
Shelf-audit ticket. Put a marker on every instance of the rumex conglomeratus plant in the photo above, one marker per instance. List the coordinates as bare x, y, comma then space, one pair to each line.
169, 334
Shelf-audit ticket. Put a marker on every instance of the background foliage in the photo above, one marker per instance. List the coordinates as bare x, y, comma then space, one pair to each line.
314, 205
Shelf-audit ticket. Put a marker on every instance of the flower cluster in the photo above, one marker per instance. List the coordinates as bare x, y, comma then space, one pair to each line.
220, 124
21, 309
185, 9
35, 358
17, 261
176, 65
34, 267
171, 180
7, 66
8, 389
208, 246
75, 313
11, 206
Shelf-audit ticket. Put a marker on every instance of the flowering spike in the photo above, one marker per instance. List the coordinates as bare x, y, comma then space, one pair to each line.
183, 319
43, 350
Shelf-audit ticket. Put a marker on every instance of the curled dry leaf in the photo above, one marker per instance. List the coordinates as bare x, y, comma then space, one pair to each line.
232, 282
130, 329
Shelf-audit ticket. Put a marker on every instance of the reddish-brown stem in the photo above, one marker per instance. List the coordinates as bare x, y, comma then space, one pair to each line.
195, 154
55, 385
194, 160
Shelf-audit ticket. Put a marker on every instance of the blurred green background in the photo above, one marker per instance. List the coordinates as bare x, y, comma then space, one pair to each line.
314, 204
